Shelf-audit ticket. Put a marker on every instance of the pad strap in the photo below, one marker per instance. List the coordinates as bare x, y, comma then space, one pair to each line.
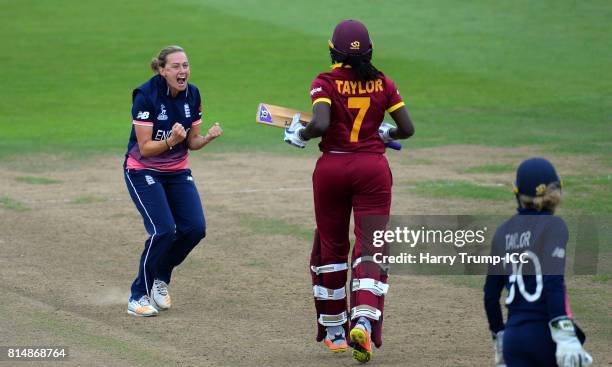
326, 294
359, 260
368, 284
330, 268
333, 320
365, 311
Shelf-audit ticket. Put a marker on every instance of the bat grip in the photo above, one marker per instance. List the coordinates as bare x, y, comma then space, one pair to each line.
394, 145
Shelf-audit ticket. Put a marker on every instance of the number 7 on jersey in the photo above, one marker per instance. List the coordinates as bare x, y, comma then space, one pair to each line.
362, 103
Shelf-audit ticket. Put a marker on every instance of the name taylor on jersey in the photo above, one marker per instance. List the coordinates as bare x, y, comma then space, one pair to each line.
518, 241
351, 87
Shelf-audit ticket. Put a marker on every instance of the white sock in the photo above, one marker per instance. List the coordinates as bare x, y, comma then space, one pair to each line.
365, 322
332, 331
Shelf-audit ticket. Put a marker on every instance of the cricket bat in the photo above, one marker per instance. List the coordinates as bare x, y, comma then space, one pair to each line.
272, 115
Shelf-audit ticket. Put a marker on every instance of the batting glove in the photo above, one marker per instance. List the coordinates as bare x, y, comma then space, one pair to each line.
384, 130
570, 352
498, 343
292, 133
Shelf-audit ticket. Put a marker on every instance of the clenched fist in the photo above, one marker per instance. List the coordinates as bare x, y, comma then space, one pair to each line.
214, 132
178, 134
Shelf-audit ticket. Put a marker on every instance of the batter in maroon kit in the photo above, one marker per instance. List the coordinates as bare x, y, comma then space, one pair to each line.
352, 174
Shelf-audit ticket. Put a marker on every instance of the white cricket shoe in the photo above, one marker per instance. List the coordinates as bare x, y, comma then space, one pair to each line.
141, 307
161, 298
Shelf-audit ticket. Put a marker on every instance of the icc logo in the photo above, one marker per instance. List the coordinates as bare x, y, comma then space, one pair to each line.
264, 114
162, 116
355, 45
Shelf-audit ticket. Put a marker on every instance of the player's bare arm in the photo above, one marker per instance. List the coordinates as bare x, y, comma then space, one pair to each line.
319, 123
196, 141
149, 147
405, 127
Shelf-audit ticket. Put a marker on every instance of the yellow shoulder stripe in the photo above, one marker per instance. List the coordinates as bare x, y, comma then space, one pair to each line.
396, 106
326, 100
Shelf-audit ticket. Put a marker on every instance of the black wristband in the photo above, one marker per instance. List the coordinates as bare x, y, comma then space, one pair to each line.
299, 134
393, 131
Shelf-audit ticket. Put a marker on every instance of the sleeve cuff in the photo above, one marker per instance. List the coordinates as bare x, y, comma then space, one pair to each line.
326, 100
396, 106
142, 123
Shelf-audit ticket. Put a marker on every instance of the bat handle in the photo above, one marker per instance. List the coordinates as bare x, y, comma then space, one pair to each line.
394, 145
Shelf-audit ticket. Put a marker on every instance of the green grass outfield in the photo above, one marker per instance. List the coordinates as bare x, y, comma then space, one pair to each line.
473, 72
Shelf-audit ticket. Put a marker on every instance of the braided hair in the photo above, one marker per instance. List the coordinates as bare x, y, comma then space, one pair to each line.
361, 64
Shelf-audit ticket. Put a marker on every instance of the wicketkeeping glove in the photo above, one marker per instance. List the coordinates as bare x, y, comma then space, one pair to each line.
498, 343
570, 352
383, 131
292, 133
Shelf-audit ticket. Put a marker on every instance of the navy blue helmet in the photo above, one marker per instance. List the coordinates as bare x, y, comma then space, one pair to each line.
534, 175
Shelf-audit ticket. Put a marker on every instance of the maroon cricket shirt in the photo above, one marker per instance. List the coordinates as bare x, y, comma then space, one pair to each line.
357, 109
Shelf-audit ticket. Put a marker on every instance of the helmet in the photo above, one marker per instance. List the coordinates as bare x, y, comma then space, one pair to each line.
351, 37
533, 177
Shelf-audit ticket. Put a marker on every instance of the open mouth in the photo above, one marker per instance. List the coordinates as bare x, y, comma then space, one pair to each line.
181, 81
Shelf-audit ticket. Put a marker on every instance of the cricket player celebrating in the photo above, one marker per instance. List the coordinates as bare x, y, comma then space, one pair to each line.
167, 117
539, 331
352, 174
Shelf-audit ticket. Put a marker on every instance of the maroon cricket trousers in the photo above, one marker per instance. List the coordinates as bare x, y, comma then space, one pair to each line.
345, 183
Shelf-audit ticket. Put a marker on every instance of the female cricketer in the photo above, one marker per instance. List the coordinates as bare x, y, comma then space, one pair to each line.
539, 331
166, 124
352, 174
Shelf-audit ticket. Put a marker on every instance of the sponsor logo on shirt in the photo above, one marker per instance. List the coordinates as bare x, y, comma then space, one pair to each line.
559, 252
162, 116
187, 111
143, 115
316, 90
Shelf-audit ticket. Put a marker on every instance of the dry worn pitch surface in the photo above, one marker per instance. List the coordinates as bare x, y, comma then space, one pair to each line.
243, 298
